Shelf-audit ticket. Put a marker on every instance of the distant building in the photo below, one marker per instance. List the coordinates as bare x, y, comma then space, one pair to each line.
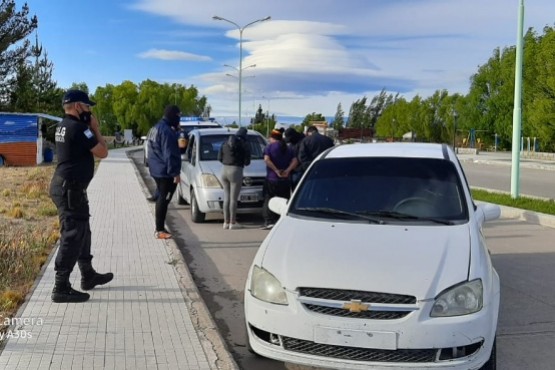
21, 138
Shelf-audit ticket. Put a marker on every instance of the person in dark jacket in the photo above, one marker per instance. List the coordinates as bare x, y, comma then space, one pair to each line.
293, 138
280, 161
312, 146
78, 141
234, 154
164, 163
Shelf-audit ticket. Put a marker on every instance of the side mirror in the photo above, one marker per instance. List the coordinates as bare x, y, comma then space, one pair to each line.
487, 212
278, 205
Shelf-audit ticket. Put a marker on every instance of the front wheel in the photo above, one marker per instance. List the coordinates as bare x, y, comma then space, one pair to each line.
196, 215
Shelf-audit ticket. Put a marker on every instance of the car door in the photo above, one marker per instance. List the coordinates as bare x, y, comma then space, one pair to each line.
187, 168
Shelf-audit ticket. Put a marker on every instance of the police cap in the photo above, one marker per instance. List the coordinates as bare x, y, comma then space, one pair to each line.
76, 96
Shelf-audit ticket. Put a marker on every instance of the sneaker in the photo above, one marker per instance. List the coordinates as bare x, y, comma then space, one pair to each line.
152, 199
226, 225
162, 235
267, 227
235, 226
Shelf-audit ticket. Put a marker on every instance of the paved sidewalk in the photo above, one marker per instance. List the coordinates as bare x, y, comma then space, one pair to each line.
144, 319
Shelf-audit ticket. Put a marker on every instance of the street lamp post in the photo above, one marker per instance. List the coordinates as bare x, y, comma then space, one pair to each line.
240, 70
455, 116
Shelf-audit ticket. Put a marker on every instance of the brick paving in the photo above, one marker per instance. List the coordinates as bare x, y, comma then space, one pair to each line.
140, 320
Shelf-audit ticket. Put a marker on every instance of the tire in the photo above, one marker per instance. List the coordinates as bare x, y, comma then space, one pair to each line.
492, 362
196, 215
180, 199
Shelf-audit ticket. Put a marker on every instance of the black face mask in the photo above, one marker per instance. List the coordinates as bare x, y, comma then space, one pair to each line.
85, 117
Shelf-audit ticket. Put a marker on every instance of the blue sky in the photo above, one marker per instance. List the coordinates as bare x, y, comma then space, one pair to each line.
311, 55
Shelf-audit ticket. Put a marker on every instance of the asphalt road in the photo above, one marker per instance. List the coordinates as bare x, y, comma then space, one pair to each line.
523, 254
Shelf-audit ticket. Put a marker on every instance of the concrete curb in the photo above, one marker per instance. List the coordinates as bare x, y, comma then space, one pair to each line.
212, 341
528, 216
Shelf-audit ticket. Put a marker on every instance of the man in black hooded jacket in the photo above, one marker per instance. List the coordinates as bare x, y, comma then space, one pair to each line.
312, 146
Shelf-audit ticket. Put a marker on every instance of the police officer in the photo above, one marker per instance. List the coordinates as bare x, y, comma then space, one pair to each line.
78, 141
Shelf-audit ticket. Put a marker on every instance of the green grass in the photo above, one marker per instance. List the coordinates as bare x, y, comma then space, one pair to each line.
530, 204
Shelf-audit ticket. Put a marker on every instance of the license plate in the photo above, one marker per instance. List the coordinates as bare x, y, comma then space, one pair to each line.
248, 198
356, 338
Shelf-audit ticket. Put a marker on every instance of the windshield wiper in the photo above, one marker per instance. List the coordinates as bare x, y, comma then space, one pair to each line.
344, 214
405, 216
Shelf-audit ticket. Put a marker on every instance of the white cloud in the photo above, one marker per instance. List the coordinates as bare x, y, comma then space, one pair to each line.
172, 55
314, 54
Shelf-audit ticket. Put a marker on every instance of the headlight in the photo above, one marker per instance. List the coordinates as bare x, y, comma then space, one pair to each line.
266, 287
459, 300
210, 181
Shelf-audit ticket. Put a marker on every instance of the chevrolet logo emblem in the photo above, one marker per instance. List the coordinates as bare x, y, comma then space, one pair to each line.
356, 305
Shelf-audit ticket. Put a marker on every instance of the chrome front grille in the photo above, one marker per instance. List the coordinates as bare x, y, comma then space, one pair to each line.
348, 295
253, 181
381, 306
359, 354
372, 315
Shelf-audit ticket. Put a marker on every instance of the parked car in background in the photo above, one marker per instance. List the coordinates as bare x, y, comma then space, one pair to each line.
201, 184
378, 261
186, 125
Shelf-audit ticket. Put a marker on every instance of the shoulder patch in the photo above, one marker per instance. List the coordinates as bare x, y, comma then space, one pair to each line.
88, 133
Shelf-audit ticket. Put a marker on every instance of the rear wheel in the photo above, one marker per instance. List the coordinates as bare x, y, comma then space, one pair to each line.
492, 362
196, 215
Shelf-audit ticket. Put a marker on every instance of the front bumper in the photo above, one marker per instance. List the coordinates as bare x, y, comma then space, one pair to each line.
296, 334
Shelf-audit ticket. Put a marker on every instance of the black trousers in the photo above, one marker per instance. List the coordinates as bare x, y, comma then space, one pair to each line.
166, 188
279, 188
75, 231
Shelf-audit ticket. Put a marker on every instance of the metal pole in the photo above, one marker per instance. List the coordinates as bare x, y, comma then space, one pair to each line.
517, 113
240, 71
241, 29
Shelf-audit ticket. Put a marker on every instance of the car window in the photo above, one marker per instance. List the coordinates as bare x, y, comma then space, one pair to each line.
210, 146
412, 186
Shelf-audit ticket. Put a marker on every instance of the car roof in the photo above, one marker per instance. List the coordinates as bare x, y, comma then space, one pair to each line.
199, 123
223, 131
400, 150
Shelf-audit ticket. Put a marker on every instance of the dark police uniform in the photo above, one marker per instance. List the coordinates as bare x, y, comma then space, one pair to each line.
68, 190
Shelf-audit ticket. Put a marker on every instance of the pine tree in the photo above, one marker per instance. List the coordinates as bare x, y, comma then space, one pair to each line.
15, 26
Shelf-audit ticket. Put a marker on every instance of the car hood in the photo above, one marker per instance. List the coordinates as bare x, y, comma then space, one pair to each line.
257, 168
417, 260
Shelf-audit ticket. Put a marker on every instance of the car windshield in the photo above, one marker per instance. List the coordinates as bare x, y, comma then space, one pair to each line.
210, 146
384, 190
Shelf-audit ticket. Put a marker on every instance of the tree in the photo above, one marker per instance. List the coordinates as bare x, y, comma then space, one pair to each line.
313, 117
338, 121
357, 114
32, 88
15, 26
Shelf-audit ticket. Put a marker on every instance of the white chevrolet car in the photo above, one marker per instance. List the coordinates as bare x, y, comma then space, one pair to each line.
201, 184
378, 261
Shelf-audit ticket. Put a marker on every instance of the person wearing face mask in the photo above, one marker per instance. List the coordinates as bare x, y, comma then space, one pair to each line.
78, 141
164, 164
